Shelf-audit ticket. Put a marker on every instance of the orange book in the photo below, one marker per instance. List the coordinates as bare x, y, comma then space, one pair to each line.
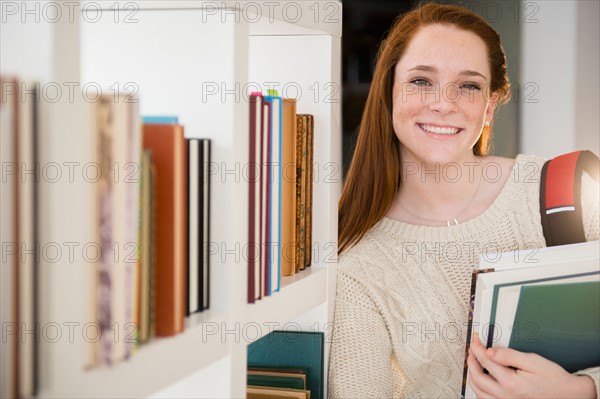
169, 155
288, 189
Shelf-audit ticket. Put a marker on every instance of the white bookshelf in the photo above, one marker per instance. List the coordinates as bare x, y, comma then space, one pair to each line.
173, 53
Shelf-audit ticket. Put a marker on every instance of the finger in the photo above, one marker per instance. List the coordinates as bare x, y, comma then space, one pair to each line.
482, 384
498, 371
512, 358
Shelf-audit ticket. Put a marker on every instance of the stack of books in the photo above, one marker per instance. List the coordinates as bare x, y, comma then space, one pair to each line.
286, 364
544, 301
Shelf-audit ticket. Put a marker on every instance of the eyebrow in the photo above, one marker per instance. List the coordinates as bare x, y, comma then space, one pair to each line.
429, 68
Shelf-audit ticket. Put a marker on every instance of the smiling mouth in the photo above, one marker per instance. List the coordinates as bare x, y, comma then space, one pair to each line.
447, 130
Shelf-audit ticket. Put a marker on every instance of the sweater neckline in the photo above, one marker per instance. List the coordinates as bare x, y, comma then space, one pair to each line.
488, 219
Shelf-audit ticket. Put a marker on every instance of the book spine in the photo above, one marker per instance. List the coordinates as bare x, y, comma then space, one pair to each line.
104, 216
309, 189
253, 195
205, 184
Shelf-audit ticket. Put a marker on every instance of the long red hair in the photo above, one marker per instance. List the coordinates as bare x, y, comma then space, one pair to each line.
374, 175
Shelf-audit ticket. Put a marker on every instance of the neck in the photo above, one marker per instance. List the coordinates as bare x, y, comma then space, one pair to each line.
439, 192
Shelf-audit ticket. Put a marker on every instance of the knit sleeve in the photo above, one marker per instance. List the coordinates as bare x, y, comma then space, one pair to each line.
361, 349
589, 207
595, 374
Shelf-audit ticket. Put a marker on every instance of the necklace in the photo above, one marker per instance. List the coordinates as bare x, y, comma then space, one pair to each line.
448, 222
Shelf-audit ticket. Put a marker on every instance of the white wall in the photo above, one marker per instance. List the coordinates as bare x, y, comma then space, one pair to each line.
588, 76
560, 98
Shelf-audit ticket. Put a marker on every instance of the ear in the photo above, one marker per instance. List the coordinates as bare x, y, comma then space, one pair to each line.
491, 107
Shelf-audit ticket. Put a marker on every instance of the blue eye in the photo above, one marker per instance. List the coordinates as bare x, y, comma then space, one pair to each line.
420, 82
470, 86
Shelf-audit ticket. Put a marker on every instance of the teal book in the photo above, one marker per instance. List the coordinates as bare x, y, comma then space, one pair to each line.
160, 120
294, 349
274, 239
560, 322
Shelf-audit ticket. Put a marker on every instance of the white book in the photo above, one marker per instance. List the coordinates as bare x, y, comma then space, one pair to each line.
193, 223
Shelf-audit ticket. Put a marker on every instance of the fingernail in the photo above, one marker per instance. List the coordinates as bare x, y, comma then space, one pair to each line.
491, 352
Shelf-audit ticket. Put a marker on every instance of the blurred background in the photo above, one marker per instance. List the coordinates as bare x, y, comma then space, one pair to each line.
552, 48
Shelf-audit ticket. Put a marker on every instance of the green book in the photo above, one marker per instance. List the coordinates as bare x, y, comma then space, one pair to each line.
560, 322
295, 349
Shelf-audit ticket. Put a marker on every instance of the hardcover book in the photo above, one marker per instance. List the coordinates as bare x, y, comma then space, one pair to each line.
266, 203
167, 143
301, 180
288, 189
274, 239
254, 196
310, 120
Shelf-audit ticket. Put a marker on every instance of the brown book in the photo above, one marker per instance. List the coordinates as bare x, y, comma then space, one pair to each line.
288, 188
301, 179
168, 150
309, 188
255, 392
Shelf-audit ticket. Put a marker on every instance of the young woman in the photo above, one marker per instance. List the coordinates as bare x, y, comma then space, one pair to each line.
421, 202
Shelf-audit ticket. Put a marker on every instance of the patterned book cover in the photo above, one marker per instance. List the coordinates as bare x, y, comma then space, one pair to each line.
470, 326
103, 137
309, 188
301, 133
131, 180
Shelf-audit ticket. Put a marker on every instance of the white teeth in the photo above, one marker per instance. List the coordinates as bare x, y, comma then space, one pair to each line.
439, 130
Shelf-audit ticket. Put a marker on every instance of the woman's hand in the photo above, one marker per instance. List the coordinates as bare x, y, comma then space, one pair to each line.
524, 375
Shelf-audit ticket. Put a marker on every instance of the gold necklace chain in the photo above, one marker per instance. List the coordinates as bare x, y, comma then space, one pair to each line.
448, 222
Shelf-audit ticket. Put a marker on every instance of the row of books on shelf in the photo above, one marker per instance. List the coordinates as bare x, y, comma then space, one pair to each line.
280, 192
166, 213
150, 215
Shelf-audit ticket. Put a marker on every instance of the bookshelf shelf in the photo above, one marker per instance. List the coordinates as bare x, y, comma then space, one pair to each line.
164, 359
299, 294
173, 53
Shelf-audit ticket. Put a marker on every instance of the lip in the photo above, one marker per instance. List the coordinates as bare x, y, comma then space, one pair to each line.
440, 136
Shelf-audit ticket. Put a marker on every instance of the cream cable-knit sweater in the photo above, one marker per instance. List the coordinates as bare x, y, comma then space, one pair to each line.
402, 293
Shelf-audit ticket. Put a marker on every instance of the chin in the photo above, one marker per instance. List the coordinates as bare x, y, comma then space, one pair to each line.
443, 157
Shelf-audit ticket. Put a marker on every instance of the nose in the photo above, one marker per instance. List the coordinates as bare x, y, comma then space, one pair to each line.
445, 100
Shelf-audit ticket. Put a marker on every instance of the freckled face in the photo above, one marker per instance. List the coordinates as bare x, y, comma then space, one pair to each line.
441, 97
